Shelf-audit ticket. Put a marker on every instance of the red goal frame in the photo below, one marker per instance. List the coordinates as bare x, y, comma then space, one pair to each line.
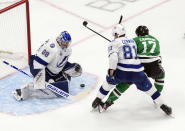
26, 2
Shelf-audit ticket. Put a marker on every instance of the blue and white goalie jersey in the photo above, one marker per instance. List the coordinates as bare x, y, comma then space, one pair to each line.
52, 56
123, 55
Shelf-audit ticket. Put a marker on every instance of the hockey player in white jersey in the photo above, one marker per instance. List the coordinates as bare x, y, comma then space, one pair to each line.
50, 64
124, 66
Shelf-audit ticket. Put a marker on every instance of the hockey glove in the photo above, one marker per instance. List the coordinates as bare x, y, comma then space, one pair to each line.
110, 80
74, 71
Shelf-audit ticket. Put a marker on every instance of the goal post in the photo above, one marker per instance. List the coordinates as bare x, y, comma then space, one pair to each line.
15, 37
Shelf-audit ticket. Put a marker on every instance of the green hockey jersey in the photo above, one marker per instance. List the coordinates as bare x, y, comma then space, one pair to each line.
148, 48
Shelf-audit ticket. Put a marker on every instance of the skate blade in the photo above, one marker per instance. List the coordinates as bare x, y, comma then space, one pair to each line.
171, 116
94, 110
155, 105
98, 109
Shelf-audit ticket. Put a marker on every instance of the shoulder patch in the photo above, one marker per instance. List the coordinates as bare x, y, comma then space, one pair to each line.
52, 45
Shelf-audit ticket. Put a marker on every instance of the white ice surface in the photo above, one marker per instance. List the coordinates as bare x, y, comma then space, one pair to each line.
134, 111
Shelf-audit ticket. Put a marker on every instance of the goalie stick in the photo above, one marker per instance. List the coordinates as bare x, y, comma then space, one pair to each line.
85, 24
52, 87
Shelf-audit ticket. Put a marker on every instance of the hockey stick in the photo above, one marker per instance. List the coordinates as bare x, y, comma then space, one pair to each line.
48, 85
120, 20
14, 67
85, 24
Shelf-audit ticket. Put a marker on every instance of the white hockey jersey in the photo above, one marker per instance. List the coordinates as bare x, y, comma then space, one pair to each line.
52, 56
123, 55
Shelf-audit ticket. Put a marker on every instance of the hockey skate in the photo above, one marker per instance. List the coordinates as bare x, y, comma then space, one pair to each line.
104, 106
23, 92
107, 104
97, 104
17, 94
166, 109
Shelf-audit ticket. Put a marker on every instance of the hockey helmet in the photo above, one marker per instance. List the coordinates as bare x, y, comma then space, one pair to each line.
64, 37
142, 30
118, 29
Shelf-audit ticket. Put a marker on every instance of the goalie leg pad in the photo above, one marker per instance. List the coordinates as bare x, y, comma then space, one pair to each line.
63, 85
39, 80
27, 91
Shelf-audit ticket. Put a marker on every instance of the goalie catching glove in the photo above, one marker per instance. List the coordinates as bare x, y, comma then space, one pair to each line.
74, 71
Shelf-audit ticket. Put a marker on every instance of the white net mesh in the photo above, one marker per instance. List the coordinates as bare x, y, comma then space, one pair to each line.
6, 3
13, 35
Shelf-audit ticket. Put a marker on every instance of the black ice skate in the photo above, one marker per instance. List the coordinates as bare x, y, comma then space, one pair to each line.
17, 94
104, 106
107, 104
96, 102
166, 109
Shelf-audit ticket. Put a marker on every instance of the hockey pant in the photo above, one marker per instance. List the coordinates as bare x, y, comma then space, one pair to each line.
156, 72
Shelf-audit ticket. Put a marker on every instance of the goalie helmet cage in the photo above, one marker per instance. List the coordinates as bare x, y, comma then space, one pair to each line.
15, 12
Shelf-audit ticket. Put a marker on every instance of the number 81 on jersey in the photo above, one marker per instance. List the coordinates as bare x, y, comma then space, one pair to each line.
129, 52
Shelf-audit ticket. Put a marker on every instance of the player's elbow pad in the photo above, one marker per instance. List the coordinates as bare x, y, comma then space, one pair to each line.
113, 61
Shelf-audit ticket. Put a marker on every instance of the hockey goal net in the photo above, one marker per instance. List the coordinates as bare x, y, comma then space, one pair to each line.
15, 42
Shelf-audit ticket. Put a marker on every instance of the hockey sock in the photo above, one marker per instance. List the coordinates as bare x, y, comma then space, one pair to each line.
159, 83
155, 95
116, 93
104, 90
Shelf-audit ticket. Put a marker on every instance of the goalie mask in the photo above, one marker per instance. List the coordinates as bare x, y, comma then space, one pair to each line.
64, 39
118, 29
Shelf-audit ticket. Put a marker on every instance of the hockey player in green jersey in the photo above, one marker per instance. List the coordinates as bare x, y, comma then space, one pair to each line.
148, 50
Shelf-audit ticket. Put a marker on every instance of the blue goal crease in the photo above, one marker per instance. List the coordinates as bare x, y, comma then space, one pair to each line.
9, 105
